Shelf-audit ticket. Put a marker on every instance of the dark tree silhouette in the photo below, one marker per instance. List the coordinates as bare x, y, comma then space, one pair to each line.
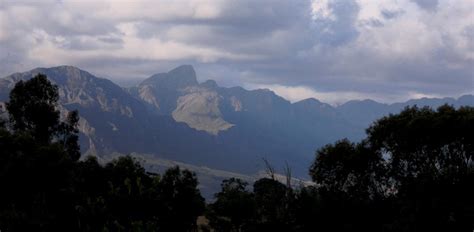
35, 172
182, 201
415, 168
310, 214
430, 157
234, 208
274, 201
46, 188
67, 135
122, 196
32, 108
349, 168
351, 181
2, 124
36, 184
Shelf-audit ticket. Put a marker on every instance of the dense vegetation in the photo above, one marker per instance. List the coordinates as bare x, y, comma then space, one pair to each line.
44, 187
413, 172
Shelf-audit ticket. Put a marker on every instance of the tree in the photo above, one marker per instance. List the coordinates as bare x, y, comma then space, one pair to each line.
181, 199
310, 214
33, 111
351, 180
122, 196
67, 135
131, 198
35, 164
415, 168
349, 168
234, 208
46, 188
274, 202
36, 184
32, 108
430, 158
423, 141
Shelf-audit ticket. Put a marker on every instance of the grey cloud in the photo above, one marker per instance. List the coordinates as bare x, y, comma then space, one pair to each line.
48, 16
372, 23
390, 14
79, 43
427, 4
244, 26
111, 39
340, 30
293, 48
468, 33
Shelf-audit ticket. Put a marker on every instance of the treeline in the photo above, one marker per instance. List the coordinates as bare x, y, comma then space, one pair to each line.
44, 186
413, 172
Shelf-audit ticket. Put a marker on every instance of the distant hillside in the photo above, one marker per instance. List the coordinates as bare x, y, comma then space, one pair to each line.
173, 116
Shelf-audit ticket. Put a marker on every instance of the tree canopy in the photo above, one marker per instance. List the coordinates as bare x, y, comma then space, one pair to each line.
45, 187
32, 108
415, 167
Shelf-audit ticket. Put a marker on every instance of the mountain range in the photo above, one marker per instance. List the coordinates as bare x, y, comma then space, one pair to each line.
173, 116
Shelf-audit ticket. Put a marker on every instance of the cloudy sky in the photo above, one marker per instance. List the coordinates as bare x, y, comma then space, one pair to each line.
332, 50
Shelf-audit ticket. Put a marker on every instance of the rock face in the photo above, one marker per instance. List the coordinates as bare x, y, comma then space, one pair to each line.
178, 94
199, 109
161, 90
100, 102
3, 111
174, 117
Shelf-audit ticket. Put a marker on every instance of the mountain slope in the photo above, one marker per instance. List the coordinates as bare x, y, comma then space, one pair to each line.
105, 109
172, 116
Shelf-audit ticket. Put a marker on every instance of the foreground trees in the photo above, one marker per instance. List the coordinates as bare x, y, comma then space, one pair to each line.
45, 188
234, 208
430, 165
415, 168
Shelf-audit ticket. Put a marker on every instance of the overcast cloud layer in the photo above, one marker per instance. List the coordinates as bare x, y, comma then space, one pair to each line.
331, 50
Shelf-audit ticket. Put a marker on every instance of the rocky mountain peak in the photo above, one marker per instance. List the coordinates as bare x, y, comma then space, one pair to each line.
180, 77
183, 70
63, 73
312, 103
211, 84
309, 101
